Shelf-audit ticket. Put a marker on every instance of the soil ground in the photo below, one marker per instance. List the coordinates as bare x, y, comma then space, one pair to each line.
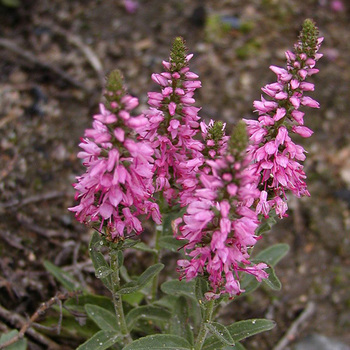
50, 86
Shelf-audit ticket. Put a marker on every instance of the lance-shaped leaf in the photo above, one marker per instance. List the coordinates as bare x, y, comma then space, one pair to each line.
270, 256
239, 331
103, 318
266, 224
159, 342
171, 243
220, 332
102, 269
179, 323
273, 254
237, 346
201, 287
168, 218
144, 248
100, 341
66, 279
143, 279
77, 305
176, 287
19, 345
273, 282
148, 312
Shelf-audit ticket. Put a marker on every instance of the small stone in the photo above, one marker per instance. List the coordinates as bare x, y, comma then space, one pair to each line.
319, 342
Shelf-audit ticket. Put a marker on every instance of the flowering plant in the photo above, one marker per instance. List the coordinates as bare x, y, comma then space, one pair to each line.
210, 196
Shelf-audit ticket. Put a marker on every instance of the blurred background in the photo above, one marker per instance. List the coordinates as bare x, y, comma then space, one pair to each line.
54, 56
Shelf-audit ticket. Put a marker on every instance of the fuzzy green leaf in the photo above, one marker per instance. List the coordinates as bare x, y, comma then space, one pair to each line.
133, 299
273, 282
105, 319
270, 256
159, 342
220, 332
148, 312
144, 248
77, 305
179, 324
19, 345
146, 277
201, 287
100, 341
241, 330
171, 243
66, 279
273, 254
176, 287
99, 262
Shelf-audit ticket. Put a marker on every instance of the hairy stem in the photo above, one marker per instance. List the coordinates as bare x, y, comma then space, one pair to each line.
117, 300
159, 230
208, 313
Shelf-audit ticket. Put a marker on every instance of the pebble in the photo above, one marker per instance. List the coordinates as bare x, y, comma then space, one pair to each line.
320, 342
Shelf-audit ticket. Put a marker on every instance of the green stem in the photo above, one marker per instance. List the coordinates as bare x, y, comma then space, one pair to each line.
159, 230
117, 300
208, 313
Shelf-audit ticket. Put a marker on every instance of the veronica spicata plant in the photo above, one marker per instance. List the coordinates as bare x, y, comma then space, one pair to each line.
209, 195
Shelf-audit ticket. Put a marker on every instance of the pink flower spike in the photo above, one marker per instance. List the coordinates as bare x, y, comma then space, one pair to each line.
172, 108
308, 101
157, 78
166, 65
302, 131
298, 116
280, 113
305, 86
119, 134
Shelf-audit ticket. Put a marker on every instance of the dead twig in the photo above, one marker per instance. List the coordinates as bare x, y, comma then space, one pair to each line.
32, 199
290, 335
16, 320
84, 49
9, 166
42, 231
29, 57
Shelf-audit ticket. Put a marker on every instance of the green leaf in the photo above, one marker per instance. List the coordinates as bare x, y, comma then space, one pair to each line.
144, 248
270, 256
241, 330
100, 341
19, 345
273, 254
99, 262
237, 346
201, 287
149, 274
133, 299
78, 304
148, 312
179, 324
159, 342
244, 329
66, 279
168, 218
266, 224
105, 319
11, 3
273, 282
221, 332
103, 272
176, 287
167, 301
171, 243
146, 277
